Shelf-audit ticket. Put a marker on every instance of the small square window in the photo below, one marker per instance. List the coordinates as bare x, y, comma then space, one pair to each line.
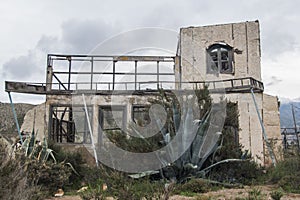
140, 114
112, 118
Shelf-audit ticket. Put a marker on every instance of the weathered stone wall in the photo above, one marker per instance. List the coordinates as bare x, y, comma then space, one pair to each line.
243, 37
250, 134
271, 120
95, 101
35, 119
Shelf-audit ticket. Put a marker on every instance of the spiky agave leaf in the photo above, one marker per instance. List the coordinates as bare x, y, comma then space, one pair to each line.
219, 148
43, 153
31, 145
25, 145
198, 142
143, 174
50, 152
212, 136
176, 117
167, 139
221, 162
189, 130
72, 168
210, 149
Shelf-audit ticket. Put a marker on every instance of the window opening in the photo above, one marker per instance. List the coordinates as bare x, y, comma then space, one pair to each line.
140, 114
220, 58
68, 124
112, 119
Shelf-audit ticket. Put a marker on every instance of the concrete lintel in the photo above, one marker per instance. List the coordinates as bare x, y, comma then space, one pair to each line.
21, 87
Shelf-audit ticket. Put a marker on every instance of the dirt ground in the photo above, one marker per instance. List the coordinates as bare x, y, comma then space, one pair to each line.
224, 194
228, 194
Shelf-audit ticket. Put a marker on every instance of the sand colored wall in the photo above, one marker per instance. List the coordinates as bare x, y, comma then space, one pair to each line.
250, 134
36, 119
95, 101
243, 37
271, 120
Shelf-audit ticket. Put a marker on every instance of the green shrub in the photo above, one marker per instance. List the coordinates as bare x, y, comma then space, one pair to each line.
255, 194
290, 183
245, 172
75, 159
277, 194
14, 184
95, 192
27, 173
191, 187
119, 185
287, 174
50, 176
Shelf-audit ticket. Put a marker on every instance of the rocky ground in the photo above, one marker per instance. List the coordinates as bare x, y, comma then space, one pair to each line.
224, 194
244, 193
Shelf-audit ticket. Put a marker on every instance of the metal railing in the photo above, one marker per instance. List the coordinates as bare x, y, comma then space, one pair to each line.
62, 70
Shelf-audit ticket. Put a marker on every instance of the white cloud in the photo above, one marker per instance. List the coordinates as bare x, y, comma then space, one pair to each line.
78, 37
31, 29
286, 68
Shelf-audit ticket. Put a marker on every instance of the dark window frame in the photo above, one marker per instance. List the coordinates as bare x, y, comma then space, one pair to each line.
122, 108
220, 59
68, 136
139, 106
101, 130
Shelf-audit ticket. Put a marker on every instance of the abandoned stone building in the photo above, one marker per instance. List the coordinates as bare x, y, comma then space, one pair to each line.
225, 57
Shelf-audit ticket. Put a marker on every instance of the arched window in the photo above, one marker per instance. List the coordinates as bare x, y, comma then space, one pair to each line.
220, 58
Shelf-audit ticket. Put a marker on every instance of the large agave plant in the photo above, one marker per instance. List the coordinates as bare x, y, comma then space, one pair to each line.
40, 151
199, 139
32, 149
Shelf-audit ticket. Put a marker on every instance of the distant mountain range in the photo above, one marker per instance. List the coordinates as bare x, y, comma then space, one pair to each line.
286, 116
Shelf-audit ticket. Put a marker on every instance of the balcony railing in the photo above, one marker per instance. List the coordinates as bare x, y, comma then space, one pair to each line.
67, 74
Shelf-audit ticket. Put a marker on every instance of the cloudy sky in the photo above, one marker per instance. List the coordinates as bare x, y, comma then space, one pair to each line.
31, 29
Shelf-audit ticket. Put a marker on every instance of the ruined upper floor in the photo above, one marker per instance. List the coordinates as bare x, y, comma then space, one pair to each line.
223, 56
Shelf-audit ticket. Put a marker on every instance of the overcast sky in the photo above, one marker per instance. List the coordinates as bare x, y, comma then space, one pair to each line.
31, 29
